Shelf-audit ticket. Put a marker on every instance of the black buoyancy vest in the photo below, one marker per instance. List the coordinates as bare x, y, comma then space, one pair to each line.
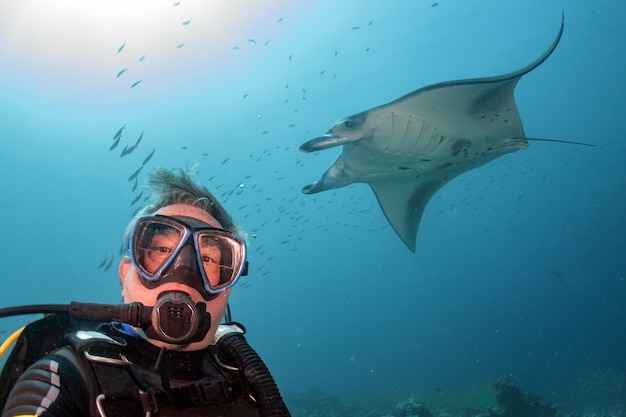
237, 381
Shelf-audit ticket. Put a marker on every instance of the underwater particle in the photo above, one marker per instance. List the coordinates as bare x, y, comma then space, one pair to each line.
186, 22
121, 48
176, 3
119, 74
180, 45
241, 185
135, 84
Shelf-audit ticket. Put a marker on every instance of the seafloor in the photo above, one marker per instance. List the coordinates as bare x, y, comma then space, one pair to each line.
503, 398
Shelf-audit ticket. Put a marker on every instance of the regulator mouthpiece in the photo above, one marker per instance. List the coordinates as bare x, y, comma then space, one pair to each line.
177, 320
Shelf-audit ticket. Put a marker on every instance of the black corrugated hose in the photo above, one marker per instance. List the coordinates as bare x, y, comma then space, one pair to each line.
262, 384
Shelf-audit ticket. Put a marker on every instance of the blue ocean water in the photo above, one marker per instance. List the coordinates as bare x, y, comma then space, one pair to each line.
520, 264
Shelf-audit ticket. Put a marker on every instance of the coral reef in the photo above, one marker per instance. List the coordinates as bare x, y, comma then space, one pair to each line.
506, 399
513, 402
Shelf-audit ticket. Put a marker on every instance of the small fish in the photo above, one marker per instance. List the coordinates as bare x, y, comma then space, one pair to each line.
137, 198
176, 3
180, 45
280, 19
128, 150
117, 142
135, 174
435, 4
186, 22
356, 27
138, 140
121, 48
235, 48
135, 185
119, 132
124, 151
252, 41
149, 157
108, 266
103, 262
119, 74
142, 58
135, 84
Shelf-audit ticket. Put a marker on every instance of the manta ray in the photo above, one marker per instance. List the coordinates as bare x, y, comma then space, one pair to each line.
408, 149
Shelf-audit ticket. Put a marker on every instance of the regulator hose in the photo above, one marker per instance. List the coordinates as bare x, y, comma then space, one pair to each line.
262, 385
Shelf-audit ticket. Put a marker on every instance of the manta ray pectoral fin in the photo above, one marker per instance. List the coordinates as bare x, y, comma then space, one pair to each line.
334, 177
325, 141
403, 204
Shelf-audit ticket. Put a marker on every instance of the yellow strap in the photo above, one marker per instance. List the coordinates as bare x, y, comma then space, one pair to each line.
7, 344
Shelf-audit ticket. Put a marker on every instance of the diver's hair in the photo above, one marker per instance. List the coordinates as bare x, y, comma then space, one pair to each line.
167, 187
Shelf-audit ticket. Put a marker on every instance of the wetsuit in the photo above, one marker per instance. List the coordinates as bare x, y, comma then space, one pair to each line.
114, 372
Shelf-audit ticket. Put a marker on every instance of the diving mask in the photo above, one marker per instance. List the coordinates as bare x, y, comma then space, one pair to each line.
173, 248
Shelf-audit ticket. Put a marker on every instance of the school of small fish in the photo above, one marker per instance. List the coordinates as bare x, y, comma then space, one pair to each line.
246, 197
122, 47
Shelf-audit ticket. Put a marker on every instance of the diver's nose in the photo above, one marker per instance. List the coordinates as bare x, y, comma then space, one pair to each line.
185, 261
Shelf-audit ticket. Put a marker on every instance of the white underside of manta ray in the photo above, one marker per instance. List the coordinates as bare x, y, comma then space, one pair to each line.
408, 149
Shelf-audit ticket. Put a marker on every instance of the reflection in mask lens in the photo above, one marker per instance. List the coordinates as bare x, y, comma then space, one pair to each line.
218, 254
156, 245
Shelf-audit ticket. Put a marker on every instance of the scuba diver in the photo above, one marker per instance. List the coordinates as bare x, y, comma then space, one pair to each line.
164, 352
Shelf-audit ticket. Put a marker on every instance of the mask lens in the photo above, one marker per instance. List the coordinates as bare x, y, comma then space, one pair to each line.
154, 245
221, 257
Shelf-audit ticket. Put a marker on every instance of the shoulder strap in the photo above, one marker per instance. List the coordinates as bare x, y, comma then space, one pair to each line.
115, 390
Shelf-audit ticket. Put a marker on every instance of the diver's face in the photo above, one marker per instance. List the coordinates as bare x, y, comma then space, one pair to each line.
133, 289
